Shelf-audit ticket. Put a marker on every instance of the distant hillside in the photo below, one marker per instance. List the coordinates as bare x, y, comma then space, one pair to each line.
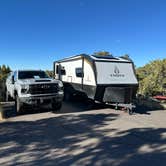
152, 77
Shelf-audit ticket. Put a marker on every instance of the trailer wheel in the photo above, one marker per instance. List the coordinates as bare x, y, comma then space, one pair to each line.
130, 111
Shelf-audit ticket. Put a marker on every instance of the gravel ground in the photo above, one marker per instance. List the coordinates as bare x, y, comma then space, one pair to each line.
82, 134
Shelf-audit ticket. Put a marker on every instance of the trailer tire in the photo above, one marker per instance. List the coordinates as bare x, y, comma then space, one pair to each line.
130, 111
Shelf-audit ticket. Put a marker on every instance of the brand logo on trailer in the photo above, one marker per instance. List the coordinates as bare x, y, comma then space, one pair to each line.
117, 72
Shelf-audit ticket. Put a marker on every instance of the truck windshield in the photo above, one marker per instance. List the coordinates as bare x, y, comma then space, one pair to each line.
32, 74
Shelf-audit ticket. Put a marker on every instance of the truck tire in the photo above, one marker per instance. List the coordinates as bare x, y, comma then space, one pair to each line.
8, 97
18, 105
56, 106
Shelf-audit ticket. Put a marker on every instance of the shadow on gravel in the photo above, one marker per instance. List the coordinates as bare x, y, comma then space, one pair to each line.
86, 139
9, 110
81, 105
67, 107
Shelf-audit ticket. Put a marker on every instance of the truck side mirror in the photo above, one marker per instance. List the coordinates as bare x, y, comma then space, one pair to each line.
12, 79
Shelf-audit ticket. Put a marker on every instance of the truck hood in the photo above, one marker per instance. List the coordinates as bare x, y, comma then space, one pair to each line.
38, 81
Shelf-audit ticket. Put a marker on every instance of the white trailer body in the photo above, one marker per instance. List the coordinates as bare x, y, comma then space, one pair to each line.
104, 79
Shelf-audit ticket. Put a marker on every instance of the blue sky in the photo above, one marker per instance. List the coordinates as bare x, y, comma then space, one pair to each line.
34, 33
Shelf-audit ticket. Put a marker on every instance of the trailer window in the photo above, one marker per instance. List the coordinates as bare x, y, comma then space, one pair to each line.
79, 72
63, 71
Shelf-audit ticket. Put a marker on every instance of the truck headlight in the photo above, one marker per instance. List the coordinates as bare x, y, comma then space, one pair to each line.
60, 85
24, 88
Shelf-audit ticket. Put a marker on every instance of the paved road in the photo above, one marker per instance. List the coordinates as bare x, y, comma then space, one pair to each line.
84, 135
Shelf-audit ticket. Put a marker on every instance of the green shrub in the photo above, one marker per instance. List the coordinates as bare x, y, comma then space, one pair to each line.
152, 78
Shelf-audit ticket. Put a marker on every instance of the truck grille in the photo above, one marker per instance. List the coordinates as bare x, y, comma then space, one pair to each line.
43, 88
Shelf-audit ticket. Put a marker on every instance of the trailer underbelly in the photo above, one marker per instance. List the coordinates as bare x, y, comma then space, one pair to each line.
113, 94
104, 93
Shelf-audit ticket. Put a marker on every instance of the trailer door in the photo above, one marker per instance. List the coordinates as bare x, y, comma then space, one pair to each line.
56, 71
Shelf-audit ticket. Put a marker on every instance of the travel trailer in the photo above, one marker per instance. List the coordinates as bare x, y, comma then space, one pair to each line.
104, 79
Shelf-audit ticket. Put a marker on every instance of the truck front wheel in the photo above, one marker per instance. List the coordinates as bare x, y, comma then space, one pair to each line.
8, 97
56, 106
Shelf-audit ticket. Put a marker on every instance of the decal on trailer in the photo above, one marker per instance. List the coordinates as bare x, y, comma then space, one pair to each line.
117, 73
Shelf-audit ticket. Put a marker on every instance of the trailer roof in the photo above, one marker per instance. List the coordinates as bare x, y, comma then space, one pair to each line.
104, 56
109, 58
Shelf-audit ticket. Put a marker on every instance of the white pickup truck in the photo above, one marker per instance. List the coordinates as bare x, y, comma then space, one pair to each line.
33, 88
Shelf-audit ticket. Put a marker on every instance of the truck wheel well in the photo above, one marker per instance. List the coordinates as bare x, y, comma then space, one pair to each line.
15, 93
